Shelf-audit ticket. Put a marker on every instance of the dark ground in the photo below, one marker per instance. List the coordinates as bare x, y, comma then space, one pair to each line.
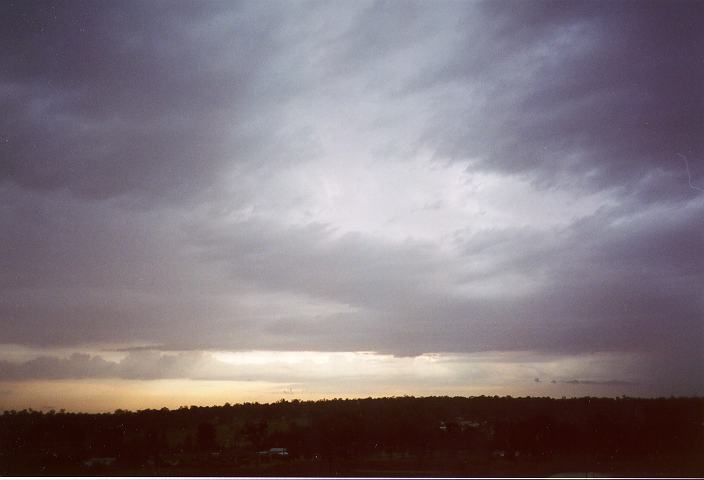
436, 436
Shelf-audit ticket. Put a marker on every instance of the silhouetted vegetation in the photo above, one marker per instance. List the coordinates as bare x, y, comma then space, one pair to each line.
387, 436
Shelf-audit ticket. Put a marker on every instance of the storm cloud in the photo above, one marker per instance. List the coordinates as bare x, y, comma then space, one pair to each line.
395, 177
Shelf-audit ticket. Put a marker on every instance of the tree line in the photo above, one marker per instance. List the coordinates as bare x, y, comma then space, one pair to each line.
426, 433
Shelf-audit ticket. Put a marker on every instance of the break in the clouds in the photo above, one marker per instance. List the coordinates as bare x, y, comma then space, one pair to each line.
394, 177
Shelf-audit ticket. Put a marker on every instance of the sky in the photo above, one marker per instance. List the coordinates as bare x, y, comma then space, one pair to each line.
210, 202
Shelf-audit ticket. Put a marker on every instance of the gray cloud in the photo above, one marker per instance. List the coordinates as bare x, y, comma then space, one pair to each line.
158, 99
165, 166
599, 289
307, 370
107, 101
609, 383
76, 366
144, 365
580, 92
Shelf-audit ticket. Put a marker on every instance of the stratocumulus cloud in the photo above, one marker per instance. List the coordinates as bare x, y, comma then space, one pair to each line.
395, 177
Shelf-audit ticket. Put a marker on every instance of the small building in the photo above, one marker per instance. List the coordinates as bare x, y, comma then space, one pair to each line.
499, 453
274, 452
468, 424
459, 425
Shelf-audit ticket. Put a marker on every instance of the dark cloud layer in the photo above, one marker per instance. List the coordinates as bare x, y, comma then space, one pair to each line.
156, 160
586, 92
138, 99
